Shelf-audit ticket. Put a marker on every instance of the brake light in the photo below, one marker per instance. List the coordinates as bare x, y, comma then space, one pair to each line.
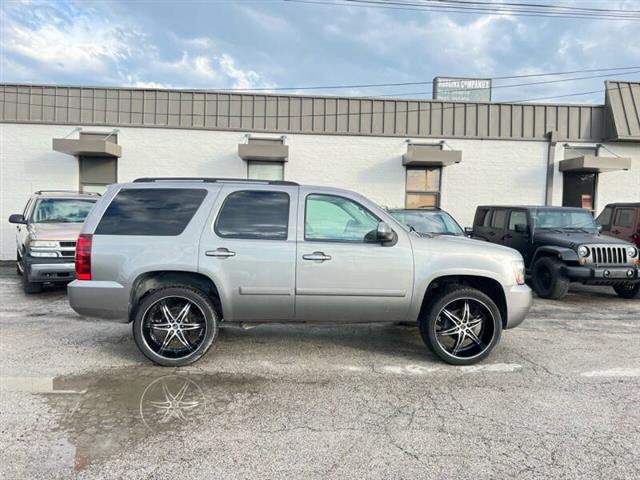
83, 256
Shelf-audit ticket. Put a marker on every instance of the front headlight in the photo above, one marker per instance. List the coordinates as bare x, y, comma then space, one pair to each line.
632, 252
583, 251
44, 244
518, 271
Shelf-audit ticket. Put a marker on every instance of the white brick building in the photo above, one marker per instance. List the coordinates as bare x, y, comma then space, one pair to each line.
397, 152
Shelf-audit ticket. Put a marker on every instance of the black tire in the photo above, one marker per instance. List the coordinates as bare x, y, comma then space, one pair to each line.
18, 260
434, 324
148, 340
547, 279
30, 287
628, 290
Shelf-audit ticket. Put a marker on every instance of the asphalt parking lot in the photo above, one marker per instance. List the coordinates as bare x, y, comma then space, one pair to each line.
558, 398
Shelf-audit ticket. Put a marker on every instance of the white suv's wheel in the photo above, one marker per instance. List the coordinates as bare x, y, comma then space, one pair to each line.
175, 326
461, 326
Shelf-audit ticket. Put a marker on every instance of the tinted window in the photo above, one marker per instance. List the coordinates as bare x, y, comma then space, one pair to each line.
254, 214
333, 218
518, 217
481, 216
499, 218
625, 217
605, 217
151, 211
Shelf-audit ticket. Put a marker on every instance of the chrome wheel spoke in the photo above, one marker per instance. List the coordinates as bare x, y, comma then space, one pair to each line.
466, 313
452, 317
473, 336
160, 326
449, 331
191, 326
180, 336
459, 341
167, 340
183, 313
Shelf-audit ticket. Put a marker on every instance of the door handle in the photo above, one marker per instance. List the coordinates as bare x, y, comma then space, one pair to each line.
317, 256
220, 253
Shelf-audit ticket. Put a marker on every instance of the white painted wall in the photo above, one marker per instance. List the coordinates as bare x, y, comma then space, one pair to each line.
491, 171
620, 186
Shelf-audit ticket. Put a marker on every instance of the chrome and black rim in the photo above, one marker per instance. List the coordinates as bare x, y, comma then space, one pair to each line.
465, 328
174, 327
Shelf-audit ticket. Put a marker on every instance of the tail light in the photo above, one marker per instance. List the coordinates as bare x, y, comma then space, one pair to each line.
83, 256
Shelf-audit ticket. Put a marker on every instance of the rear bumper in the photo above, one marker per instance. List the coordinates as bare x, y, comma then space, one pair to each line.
519, 299
603, 275
49, 269
100, 299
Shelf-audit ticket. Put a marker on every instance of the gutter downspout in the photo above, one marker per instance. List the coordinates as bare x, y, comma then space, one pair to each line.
551, 160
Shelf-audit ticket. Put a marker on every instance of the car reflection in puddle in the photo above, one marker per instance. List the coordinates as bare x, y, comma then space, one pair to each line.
103, 413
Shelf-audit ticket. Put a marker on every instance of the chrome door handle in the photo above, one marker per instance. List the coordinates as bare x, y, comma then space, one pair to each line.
317, 256
220, 253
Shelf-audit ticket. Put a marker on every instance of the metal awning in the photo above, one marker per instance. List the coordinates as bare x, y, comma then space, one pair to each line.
264, 150
87, 147
593, 164
430, 155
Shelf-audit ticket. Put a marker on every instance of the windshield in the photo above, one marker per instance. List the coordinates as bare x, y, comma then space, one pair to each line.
431, 222
563, 219
62, 210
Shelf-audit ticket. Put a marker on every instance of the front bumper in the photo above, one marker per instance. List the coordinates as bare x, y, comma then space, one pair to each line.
603, 275
49, 269
519, 299
100, 299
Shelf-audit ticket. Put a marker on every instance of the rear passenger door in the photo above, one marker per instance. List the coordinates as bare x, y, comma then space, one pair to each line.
248, 248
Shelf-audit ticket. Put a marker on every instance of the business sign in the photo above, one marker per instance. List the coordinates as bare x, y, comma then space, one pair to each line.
462, 89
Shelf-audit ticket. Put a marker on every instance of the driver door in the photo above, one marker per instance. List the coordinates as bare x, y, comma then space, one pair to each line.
341, 274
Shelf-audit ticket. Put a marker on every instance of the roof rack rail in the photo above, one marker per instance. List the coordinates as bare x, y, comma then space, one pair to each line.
75, 192
214, 180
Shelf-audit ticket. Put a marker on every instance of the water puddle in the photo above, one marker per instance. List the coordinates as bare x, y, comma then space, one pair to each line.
103, 413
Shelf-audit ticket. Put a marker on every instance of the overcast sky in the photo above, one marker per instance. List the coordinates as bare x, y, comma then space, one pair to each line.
272, 43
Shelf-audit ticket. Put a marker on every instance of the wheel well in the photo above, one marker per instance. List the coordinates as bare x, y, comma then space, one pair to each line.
486, 285
149, 282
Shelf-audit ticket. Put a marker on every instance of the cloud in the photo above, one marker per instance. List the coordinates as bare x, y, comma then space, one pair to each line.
63, 42
265, 20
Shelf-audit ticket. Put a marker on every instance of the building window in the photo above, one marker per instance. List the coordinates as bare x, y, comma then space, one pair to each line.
423, 187
265, 170
96, 173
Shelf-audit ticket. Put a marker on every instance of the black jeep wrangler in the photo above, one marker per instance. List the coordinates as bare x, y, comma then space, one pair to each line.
561, 245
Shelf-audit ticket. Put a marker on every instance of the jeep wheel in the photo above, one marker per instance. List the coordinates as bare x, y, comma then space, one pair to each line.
175, 326
628, 290
461, 326
548, 281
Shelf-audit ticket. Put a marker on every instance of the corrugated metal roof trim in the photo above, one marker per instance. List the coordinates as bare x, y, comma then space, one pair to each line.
196, 109
623, 104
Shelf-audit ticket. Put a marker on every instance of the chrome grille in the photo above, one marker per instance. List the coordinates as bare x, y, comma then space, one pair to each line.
609, 255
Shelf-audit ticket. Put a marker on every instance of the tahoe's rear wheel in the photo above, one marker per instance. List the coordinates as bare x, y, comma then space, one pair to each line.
175, 326
628, 290
461, 326
548, 281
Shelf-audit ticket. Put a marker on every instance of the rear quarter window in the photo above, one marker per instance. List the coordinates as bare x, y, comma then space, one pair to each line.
151, 211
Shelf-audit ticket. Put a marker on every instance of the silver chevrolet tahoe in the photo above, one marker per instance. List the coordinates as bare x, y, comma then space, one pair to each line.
179, 256
46, 233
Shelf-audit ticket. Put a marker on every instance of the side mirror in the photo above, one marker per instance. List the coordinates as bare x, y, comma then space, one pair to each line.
521, 228
468, 231
17, 218
384, 233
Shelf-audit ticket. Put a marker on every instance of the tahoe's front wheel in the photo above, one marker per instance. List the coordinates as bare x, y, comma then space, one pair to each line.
175, 326
461, 326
